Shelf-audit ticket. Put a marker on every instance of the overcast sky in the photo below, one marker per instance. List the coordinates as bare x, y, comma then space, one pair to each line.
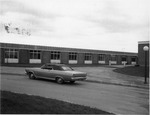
115, 25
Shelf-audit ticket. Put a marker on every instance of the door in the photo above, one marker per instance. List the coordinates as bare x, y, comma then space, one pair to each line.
46, 72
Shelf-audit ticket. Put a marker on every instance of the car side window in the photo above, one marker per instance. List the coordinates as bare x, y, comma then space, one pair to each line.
43, 67
47, 67
57, 68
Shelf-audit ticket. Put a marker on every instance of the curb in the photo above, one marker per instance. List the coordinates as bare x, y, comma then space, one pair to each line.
94, 81
119, 84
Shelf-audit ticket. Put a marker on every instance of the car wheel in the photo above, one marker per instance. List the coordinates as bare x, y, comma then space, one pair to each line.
31, 76
72, 81
59, 80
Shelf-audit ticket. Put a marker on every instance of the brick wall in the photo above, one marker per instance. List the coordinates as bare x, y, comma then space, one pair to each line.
118, 59
95, 58
64, 57
81, 58
23, 56
45, 57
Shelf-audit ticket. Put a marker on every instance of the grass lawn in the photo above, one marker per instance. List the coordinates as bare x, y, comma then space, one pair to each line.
132, 70
14, 103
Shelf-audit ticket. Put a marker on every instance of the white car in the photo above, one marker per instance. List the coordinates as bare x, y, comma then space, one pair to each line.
59, 72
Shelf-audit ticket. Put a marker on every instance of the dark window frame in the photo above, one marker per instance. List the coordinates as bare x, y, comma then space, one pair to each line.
11, 53
35, 54
101, 57
73, 56
124, 59
133, 59
88, 57
55, 55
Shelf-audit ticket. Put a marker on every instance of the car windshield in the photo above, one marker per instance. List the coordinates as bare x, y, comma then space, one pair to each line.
65, 68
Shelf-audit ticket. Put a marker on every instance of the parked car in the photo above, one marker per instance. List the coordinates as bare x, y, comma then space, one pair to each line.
59, 72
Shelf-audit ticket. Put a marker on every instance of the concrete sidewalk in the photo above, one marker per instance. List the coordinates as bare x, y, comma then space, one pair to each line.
104, 75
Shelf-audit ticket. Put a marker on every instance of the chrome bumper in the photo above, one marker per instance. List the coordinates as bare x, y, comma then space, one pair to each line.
78, 78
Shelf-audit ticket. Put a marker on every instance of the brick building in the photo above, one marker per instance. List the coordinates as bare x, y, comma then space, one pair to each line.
141, 53
18, 54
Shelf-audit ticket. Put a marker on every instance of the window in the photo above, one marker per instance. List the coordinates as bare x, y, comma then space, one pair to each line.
11, 55
88, 56
133, 59
65, 68
101, 57
48, 67
35, 54
57, 68
72, 56
55, 55
124, 59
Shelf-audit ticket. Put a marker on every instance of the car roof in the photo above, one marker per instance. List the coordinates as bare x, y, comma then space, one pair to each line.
55, 64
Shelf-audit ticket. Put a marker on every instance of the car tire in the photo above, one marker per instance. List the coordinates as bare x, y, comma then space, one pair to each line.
59, 80
31, 76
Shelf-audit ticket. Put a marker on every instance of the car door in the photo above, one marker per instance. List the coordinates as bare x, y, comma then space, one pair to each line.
57, 71
46, 72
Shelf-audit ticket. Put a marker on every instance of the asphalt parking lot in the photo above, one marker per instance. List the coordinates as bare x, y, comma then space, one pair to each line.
117, 99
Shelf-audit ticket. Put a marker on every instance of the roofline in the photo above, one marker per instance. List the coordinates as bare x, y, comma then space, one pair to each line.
63, 49
143, 42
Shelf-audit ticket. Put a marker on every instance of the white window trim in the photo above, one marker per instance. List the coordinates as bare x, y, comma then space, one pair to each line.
88, 62
124, 62
101, 62
11, 60
133, 63
113, 62
55, 61
73, 61
35, 61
